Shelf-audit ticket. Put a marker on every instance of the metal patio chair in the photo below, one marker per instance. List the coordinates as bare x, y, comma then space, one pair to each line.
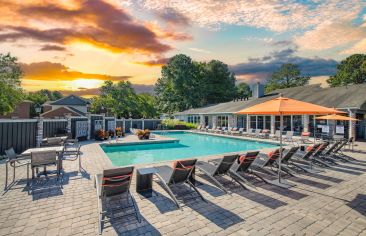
15, 161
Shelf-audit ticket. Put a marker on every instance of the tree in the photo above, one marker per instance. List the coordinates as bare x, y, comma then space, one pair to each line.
352, 70
219, 82
40, 97
286, 77
243, 91
121, 100
185, 84
10, 91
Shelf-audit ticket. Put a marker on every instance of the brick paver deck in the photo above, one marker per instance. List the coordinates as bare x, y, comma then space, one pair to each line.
329, 203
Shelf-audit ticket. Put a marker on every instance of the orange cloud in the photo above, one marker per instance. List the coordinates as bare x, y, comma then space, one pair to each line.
97, 23
157, 62
56, 71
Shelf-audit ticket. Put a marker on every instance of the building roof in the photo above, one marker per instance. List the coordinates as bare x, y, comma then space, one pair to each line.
62, 111
71, 100
352, 96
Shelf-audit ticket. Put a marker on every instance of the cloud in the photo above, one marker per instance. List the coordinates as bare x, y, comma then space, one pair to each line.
359, 47
172, 17
157, 62
139, 88
50, 47
199, 50
259, 69
278, 16
329, 34
56, 71
97, 23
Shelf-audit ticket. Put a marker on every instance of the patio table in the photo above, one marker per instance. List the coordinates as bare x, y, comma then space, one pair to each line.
58, 149
63, 138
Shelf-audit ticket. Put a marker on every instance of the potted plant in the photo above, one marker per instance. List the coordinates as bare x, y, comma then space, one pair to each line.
146, 134
111, 133
140, 134
99, 135
118, 132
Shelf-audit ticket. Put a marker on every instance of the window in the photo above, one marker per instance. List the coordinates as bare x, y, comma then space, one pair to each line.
253, 122
297, 124
286, 123
267, 122
194, 119
260, 122
222, 121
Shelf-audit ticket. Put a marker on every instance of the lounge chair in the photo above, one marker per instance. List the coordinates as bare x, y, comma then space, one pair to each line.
264, 133
228, 131
218, 130
248, 133
114, 182
223, 130
318, 154
211, 130
219, 167
276, 135
237, 132
179, 174
303, 160
267, 161
256, 134
305, 137
243, 166
286, 164
14, 160
233, 130
289, 137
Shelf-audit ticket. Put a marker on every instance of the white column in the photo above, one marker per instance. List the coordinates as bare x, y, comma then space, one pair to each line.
124, 125
248, 122
292, 123
210, 122
214, 121
103, 121
273, 124
143, 124
256, 122
39, 136
305, 122
233, 121
202, 120
264, 122
352, 125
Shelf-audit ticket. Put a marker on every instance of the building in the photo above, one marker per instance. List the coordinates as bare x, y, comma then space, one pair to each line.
71, 105
21, 111
351, 99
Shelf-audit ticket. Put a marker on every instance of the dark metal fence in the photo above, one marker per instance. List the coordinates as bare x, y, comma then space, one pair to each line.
19, 134
93, 122
53, 128
73, 124
151, 124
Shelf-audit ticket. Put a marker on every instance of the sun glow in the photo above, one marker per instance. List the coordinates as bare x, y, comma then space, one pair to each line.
85, 84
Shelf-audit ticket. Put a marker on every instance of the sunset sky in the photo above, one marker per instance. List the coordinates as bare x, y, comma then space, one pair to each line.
75, 45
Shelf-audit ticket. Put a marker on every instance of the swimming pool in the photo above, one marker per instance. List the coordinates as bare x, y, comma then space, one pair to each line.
189, 145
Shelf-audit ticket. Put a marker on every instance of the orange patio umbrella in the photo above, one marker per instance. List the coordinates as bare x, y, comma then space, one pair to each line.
336, 117
286, 106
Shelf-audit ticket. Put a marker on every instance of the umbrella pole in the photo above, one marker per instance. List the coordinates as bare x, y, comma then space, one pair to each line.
280, 161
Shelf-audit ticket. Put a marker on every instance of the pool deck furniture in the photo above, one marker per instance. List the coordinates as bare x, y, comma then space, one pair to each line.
57, 149
111, 183
276, 135
45, 159
243, 166
303, 160
219, 167
54, 141
144, 181
14, 161
179, 174
72, 154
238, 131
286, 163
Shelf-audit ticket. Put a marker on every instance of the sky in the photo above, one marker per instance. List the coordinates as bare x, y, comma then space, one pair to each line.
76, 45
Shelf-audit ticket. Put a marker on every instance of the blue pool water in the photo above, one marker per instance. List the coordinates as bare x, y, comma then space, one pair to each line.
189, 145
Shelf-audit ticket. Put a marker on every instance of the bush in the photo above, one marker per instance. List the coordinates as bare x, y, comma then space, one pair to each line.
177, 124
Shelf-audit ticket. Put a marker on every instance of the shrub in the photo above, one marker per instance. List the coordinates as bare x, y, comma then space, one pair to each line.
177, 124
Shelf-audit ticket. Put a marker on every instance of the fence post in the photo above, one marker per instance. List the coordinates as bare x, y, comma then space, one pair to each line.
143, 124
88, 115
68, 127
124, 124
39, 136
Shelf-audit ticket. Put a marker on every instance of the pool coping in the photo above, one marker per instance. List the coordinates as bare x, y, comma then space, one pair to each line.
201, 158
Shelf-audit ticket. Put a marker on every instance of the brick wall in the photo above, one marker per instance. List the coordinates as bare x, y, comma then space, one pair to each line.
22, 111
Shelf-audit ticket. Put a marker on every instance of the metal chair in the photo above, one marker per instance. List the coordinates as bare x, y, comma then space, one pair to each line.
72, 154
44, 159
14, 161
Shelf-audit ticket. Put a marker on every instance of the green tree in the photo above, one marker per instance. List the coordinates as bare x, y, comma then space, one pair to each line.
219, 82
40, 97
352, 70
10, 91
289, 75
185, 84
121, 100
243, 91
